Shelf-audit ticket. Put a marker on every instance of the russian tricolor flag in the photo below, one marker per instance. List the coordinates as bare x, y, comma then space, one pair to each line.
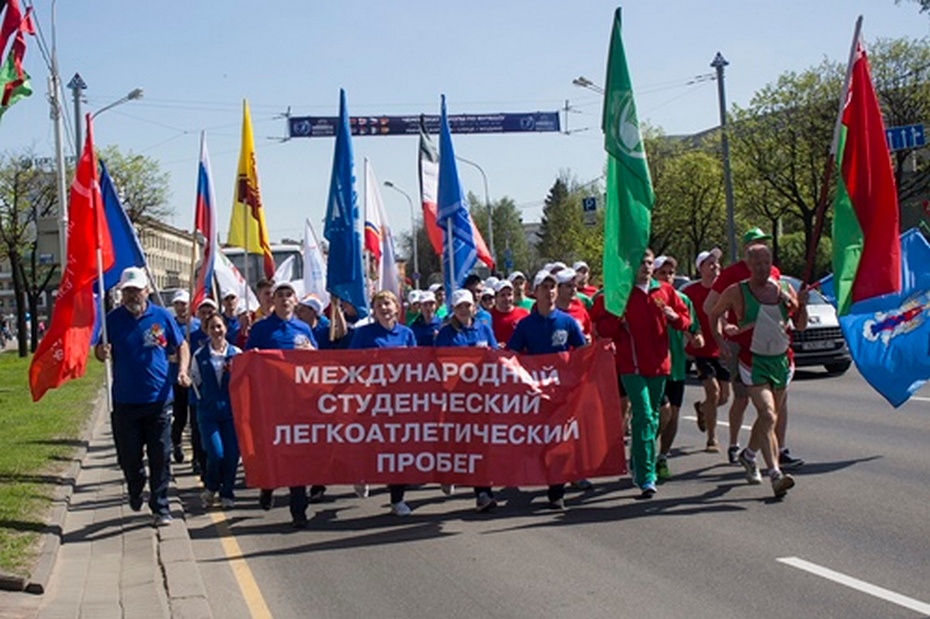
205, 225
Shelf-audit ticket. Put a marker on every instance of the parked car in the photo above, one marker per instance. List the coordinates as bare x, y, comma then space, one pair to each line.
822, 342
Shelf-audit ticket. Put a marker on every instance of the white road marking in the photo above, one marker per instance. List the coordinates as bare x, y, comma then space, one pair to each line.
921, 398
858, 585
721, 423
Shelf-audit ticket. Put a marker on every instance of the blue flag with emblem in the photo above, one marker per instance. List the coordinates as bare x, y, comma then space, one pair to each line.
888, 335
344, 276
459, 253
126, 249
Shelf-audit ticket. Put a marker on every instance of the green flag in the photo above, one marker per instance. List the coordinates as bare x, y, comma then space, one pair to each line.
18, 91
628, 209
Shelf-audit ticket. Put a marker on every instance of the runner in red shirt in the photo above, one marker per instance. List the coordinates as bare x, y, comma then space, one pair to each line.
505, 315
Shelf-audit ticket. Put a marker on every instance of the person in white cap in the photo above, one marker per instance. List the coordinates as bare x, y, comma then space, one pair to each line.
584, 274
413, 306
463, 330
487, 299
567, 300
475, 285
427, 323
441, 309
142, 337
546, 330
281, 330
505, 314
518, 279
181, 407
385, 332
714, 376
231, 315
310, 311
674, 394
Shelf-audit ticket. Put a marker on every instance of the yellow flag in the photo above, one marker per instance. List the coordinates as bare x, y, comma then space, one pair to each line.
247, 224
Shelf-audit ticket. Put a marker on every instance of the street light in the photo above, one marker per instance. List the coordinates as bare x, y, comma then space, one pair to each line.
584, 82
413, 232
135, 93
487, 203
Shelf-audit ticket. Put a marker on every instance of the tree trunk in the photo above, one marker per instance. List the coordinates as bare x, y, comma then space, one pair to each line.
19, 295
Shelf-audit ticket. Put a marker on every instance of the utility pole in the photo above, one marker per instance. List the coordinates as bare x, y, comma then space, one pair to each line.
719, 63
77, 85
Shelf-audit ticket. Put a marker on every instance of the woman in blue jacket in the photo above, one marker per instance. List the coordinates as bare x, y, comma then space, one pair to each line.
210, 371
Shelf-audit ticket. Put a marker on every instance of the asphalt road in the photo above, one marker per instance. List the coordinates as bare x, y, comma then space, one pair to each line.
851, 540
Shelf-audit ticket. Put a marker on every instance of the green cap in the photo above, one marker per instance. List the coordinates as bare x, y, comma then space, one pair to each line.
755, 234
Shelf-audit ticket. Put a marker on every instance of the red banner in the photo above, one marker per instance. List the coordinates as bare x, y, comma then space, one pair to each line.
466, 416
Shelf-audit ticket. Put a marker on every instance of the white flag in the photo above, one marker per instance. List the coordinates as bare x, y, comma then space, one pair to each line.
378, 231
314, 265
230, 278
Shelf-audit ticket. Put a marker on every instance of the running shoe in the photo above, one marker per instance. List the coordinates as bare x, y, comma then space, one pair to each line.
753, 476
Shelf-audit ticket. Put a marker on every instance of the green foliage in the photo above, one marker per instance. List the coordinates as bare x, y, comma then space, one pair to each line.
36, 443
142, 186
562, 232
793, 250
508, 231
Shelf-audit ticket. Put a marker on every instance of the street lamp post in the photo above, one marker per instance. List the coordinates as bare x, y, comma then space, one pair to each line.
487, 204
413, 232
132, 95
719, 63
584, 82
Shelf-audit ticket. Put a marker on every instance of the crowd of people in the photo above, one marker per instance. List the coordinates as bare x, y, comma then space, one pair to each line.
735, 324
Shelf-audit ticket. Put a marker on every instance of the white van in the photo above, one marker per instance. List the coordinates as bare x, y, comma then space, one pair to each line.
280, 253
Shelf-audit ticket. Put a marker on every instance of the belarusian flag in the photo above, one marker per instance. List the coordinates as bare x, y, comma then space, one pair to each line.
12, 87
866, 245
628, 210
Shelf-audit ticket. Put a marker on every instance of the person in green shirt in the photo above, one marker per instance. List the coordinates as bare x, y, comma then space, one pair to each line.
675, 385
518, 279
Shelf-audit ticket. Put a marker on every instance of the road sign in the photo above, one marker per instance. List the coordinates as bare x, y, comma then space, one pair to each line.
325, 126
904, 137
589, 208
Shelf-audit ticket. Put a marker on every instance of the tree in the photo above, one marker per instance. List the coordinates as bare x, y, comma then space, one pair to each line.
429, 263
509, 240
562, 231
27, 193
142, 186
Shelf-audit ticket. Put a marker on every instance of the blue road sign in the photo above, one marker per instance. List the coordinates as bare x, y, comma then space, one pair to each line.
589, 205
906, 136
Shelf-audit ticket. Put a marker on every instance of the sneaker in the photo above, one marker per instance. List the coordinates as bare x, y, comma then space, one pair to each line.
702, 425
265, 499
226, 503
582, 484
361, 490
135, 502
316, 494
786, 461
162, 520
733, 454
557, 505
781, 484
207, 498
753, 476
401, 509
712, 447
299, 522
484, 502
447, 489
648, 490
178, 454
662, 472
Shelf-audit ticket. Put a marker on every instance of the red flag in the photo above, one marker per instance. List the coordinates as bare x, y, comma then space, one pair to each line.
14, 21
62, 353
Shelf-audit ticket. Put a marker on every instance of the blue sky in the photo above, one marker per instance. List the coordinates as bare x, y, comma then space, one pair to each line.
197, 60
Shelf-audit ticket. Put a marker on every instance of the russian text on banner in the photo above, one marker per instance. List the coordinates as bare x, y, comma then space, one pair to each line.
466, 416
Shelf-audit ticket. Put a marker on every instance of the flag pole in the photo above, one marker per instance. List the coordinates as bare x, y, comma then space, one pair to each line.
451, 261
831, 161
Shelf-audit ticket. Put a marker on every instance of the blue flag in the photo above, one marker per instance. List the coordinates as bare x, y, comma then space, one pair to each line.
344, 277
888, 335
126, 249
458, 248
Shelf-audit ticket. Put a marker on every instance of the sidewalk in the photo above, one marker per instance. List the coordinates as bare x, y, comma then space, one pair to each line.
111, 561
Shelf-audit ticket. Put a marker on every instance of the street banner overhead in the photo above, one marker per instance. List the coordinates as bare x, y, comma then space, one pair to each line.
325, 126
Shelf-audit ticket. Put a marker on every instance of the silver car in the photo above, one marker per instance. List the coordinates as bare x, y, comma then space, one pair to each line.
822, 342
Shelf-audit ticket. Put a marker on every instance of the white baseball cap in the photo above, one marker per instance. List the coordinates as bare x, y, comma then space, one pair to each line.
515, 275
462, 295
504, 283
279, 285
704, 255
581, 264
660, 260
427, 297
565, 276
313, 302
133, 277
435, 287
414, 296
208, 302
555, 267
230, 293
542, 276
181, 296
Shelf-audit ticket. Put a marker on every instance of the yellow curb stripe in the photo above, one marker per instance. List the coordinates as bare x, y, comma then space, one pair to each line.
252, 595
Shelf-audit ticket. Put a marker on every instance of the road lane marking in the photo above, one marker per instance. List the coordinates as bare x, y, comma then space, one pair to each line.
720, 423
252, 595
921, 398
859, 585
